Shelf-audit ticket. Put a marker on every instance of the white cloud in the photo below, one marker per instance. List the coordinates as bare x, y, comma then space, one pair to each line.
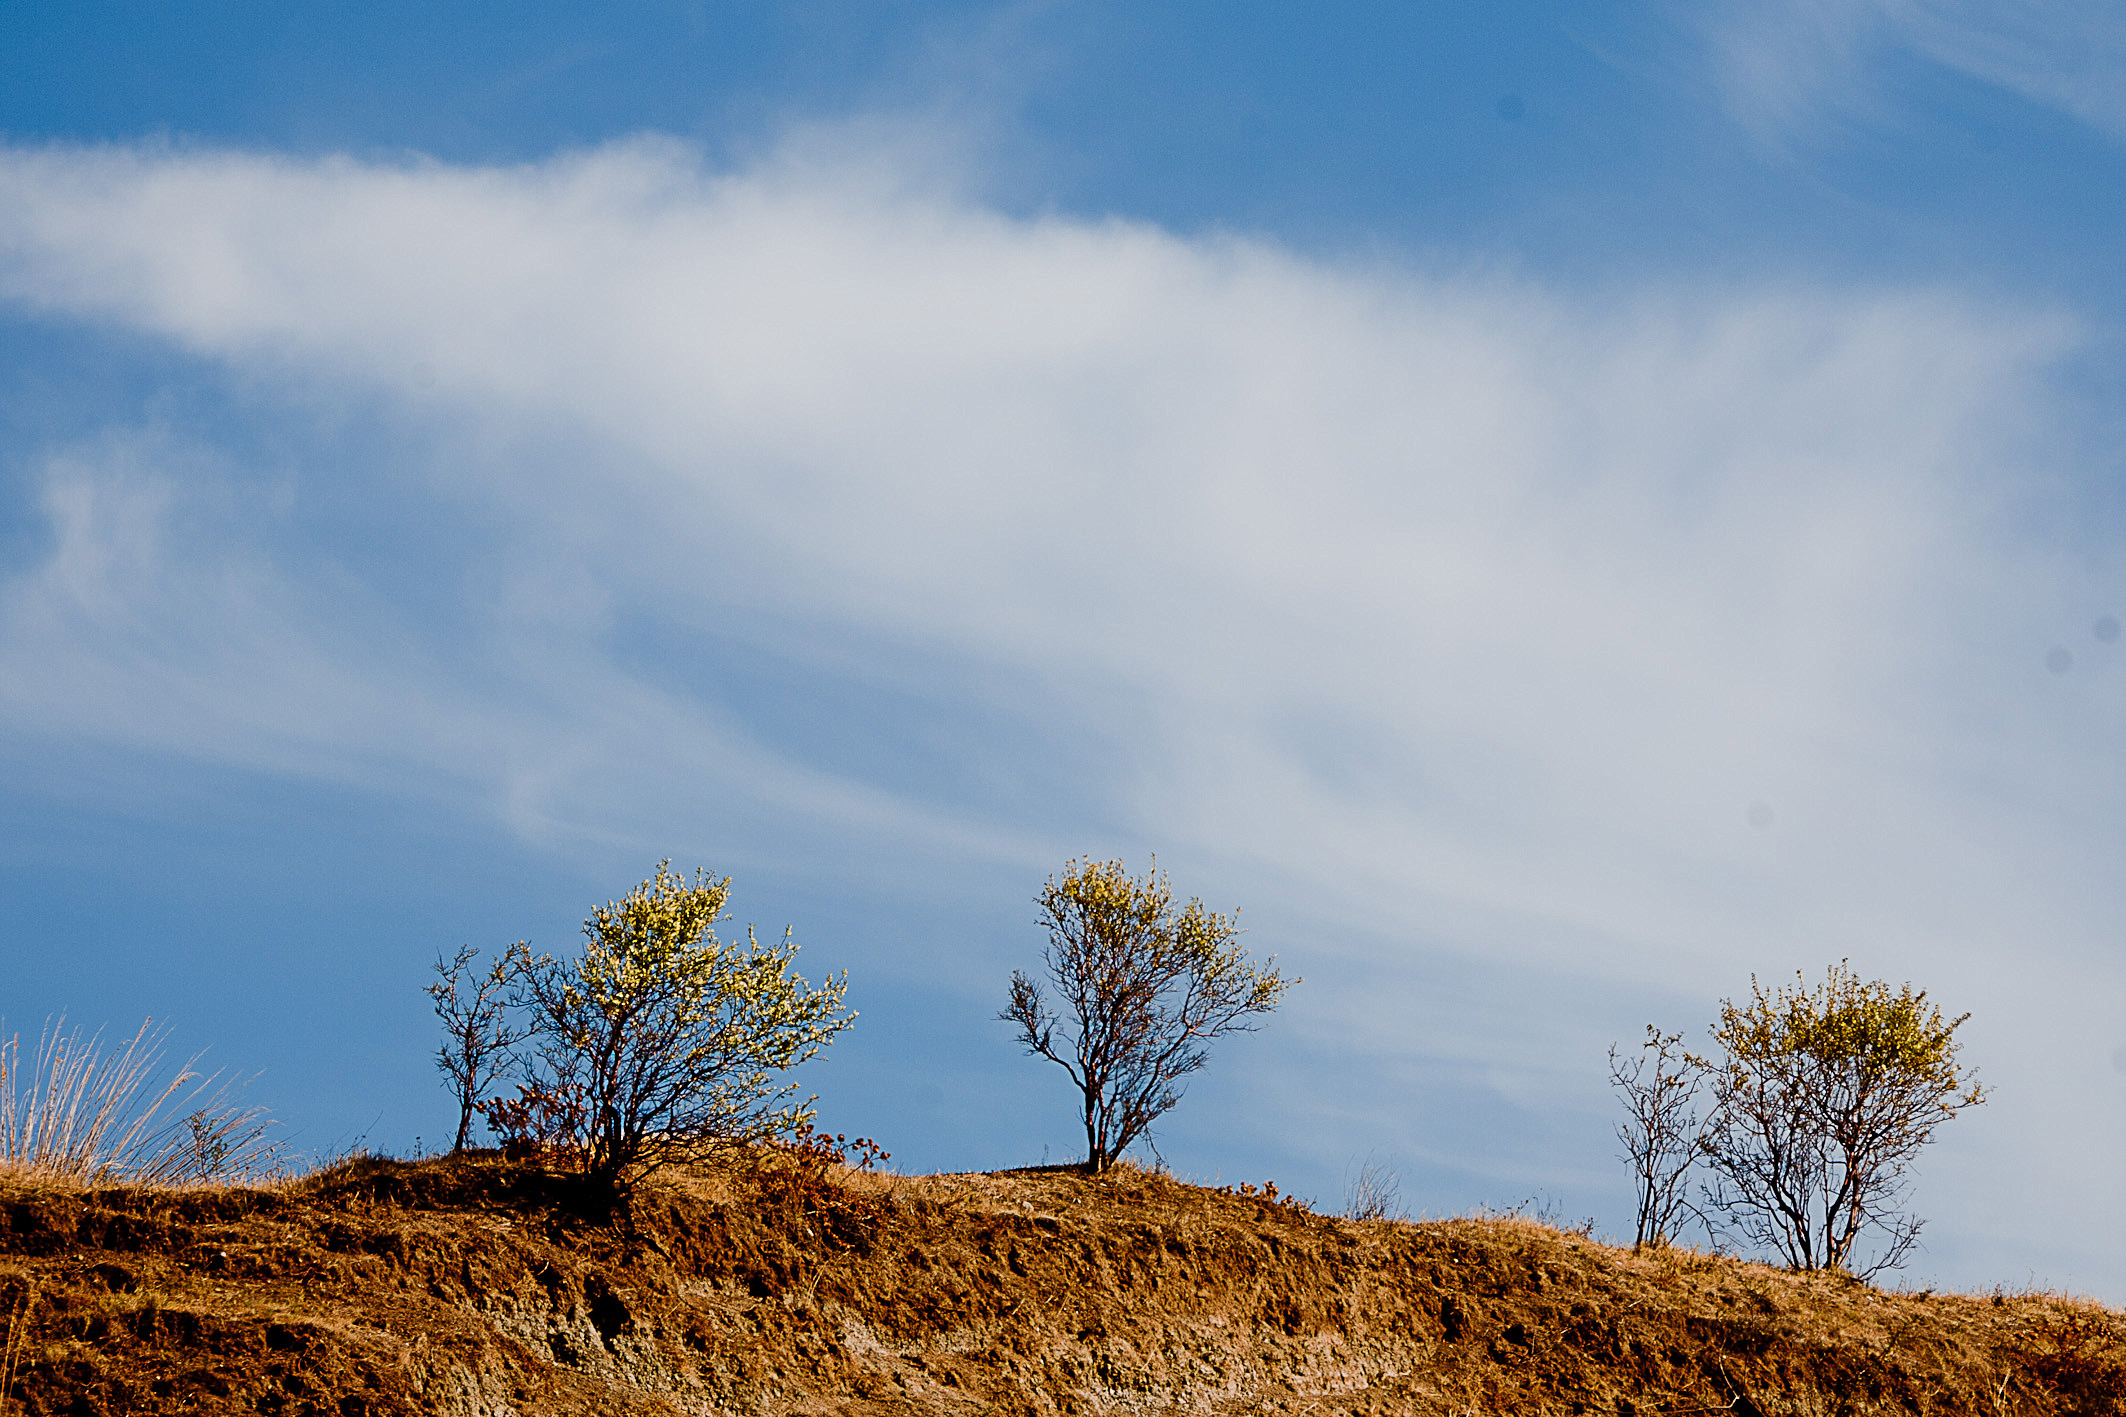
1418, 614
164, 619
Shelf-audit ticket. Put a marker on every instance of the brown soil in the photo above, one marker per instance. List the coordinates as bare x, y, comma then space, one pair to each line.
484, 1287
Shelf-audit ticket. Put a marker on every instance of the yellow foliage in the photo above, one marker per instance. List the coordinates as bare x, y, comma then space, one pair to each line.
667, 1041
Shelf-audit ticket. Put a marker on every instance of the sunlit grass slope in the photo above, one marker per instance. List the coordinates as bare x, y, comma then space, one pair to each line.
484, 1286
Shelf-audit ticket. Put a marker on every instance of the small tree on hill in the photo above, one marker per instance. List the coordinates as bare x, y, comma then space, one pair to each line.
1659, 1132
661, 1043
1820, 1105
1143, 989
477, 1032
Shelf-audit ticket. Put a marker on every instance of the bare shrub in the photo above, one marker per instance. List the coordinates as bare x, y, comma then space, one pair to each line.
2080, 1357
477, 1030
1374, 1192
547, 1119
219, 1144
796, 1184
1660, 1131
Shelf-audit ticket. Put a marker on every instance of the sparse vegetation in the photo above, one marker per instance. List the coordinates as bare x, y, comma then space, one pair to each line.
83, 1112
477, 1031
1374, 1191
1658, 1086
788, 1273
785, 1282
1144, 988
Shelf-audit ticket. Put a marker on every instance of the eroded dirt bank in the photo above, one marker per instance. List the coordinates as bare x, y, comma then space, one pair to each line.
482, 1287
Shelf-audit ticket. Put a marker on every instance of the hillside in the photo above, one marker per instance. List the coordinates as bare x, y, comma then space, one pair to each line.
476, 1287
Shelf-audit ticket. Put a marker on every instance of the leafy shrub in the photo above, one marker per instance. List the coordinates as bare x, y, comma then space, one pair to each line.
658, 1044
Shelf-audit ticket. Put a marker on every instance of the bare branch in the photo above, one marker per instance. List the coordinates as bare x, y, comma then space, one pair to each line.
477, 1032
1660, 1131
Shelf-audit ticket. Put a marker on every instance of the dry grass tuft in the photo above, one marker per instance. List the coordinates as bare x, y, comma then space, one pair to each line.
1374, 1192
87, 1114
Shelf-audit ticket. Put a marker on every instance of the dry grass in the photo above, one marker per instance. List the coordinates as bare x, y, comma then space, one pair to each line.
17, 1332
1373, 1192
84, 1112
471, 1284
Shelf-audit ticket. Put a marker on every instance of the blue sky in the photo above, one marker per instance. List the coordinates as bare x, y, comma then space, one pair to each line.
1549, 510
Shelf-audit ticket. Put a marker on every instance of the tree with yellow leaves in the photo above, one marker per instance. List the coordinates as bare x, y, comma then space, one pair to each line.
661, 1042
1144, 988
1821, 1101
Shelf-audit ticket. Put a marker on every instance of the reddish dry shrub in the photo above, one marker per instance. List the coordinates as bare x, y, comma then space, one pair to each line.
542, 1122
796, 1183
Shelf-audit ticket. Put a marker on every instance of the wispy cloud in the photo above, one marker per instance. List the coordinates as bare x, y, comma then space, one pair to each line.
2069, 54
1787, 65
1656, 640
